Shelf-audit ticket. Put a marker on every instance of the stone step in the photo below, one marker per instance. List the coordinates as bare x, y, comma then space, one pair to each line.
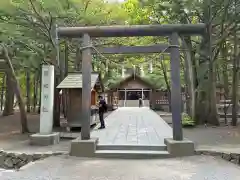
125, 154
132, 147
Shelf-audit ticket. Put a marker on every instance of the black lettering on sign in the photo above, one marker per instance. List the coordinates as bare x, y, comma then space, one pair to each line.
45, 73
45, 85
44, 109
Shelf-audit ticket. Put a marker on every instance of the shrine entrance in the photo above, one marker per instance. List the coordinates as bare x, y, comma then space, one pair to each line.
177, 146
134, 94
130, 89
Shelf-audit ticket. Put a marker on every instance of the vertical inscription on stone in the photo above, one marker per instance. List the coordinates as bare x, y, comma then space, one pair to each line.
46, 97
45, 85
44, 109
45, 73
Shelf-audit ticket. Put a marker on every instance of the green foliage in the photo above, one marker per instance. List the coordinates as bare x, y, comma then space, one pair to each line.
187, 121
27, 27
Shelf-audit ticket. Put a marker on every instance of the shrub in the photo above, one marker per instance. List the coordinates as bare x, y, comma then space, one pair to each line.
187, 121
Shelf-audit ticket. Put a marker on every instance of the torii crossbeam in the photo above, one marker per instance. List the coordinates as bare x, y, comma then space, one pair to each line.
132, 30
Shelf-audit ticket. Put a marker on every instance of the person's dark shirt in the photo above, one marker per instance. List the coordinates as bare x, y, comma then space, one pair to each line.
102, 105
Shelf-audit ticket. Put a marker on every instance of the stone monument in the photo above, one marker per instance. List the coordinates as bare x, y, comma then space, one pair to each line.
46, 136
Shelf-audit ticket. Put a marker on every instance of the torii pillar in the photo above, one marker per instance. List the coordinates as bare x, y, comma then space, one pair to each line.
85, 146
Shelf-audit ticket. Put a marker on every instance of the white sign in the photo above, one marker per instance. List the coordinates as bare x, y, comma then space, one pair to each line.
47, 99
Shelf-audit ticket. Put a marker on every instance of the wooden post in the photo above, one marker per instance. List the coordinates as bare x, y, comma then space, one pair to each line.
86, 87
176, 88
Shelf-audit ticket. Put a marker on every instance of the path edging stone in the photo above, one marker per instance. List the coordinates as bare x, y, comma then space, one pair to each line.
228, 156
15, 160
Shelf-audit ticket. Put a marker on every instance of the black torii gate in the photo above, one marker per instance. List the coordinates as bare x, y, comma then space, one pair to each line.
172, 31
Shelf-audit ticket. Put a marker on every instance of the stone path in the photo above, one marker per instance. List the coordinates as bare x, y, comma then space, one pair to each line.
72, 168
133, 126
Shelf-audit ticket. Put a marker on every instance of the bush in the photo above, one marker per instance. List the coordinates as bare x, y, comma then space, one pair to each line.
187, 121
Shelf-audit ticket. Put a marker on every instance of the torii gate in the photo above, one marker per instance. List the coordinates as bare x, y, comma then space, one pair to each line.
172, 31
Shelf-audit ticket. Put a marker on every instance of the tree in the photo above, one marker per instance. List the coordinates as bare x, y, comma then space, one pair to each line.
17, 89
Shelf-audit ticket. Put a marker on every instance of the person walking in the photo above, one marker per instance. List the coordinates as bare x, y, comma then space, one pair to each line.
101, 110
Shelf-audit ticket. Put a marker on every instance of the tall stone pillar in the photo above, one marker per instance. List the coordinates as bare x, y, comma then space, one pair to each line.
46, 135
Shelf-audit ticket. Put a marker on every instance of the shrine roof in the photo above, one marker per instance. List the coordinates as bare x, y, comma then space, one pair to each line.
131, 77
74, 80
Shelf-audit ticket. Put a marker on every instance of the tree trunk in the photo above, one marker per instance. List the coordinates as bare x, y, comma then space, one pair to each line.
186, 103
78, 64
224, 78
40, 89
56, 114
235, 80
207, 109
62, 76
164, 71
64, 94
225, 70
28, 89
235, 90
202, 104
17, 90
2, 92
191, 95
9, 96
213, 115
35, 92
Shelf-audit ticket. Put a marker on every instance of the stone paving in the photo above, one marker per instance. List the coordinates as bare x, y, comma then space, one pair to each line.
72, 168
133, 125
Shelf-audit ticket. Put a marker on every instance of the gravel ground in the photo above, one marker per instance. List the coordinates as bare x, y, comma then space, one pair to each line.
64, 168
